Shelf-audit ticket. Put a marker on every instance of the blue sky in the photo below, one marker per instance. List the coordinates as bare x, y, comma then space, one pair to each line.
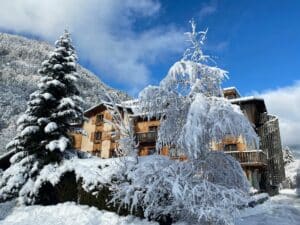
258, 42
132, 43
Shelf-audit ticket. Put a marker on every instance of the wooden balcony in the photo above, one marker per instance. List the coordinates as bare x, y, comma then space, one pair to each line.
249, 157
146, 137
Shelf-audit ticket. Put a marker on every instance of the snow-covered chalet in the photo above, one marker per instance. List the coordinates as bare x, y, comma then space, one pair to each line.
263, 166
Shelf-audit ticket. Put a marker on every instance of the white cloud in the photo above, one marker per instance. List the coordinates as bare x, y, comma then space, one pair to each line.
285, 103
103, 32
208, 9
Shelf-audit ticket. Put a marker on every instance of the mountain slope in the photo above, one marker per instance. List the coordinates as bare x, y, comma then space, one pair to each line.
20, 59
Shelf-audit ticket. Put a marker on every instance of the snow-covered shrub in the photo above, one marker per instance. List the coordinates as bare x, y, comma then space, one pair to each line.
183, 190
220, 168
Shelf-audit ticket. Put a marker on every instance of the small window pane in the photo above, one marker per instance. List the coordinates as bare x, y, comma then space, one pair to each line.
98, 135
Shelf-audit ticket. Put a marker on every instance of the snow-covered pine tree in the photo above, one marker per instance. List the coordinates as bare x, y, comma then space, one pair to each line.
43, 128
61, 95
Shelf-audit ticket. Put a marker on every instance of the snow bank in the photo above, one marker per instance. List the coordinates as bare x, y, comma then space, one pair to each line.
68, 214
94, 172
6, 208
289, 192
283, 209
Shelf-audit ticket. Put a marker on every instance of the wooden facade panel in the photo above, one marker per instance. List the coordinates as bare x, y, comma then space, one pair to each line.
76, 139
105, 149
87, 138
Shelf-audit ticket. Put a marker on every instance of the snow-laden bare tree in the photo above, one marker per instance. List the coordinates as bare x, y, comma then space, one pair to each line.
209, 186
190, 104
288, 156
43, 129
126, 144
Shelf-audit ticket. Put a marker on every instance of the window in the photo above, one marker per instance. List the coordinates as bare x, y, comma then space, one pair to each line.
153, 128
151, 151
97, 136
230, 147
99, 118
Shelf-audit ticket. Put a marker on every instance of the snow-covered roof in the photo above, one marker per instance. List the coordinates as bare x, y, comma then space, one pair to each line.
246, 99
229, 88
130, 102
143, 114
258, 101
103, 103
94, 107
234, 89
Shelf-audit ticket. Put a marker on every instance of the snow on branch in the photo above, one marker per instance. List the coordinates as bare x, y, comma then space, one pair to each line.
211, 120
61, 144
196, 39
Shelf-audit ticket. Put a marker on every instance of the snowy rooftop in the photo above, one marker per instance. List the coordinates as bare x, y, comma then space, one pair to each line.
246, 99
103, 103
259, 102
232, 89
229, 88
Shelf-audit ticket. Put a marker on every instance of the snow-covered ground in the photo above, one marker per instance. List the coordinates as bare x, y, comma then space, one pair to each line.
283, 209
68, 214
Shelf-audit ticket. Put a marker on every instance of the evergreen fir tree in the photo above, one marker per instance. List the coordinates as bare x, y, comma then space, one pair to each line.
43, 129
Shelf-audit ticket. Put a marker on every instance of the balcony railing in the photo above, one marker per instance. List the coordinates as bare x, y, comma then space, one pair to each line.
146, 136
249, 157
